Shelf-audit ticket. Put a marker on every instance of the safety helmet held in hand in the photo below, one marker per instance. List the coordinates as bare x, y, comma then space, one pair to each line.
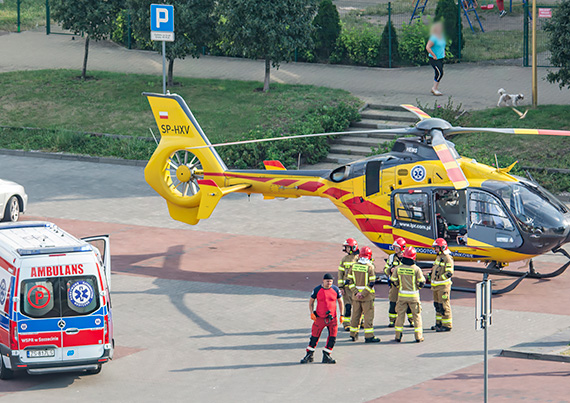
410, 253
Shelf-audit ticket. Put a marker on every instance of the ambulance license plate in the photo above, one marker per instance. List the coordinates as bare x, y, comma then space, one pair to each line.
48, 352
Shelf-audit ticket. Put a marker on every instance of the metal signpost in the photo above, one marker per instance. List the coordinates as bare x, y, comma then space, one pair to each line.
162, 29
483, 311
534, 58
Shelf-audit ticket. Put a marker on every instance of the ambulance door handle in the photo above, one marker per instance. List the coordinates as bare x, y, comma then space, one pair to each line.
72, 331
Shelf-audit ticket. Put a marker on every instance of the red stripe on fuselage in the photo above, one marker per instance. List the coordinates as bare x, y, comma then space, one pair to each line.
285, 182
373, 225
310, 186
336, 192
357, 206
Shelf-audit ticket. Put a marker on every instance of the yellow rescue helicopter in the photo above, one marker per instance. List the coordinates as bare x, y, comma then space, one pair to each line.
420, 191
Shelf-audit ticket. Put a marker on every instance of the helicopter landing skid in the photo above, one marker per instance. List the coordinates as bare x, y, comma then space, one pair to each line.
494, 268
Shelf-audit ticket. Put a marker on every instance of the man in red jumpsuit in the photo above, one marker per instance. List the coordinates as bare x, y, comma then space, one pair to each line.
328, 296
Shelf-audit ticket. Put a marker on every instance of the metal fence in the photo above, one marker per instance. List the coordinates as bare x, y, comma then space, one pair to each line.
544, 14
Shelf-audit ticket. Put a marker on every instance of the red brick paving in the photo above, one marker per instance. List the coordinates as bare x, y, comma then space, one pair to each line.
179, 254
510, 380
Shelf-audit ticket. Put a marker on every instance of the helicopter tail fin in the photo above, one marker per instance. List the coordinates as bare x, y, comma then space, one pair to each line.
176, 173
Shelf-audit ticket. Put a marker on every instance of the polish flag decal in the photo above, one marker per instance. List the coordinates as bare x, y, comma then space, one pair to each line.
163, 115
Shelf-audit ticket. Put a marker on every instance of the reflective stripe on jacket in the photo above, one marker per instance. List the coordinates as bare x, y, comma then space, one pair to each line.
362, 278
344, 268
442, 269
408, 279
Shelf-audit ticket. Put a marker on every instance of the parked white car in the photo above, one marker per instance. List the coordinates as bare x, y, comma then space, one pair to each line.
13, 200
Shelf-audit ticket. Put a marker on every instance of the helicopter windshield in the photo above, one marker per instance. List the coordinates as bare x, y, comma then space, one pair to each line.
535, 209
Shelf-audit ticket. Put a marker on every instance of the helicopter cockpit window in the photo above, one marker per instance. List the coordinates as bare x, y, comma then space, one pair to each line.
412, 207
486, 210
536, 210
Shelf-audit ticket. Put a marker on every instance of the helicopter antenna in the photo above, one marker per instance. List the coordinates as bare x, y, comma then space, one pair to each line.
530, 176
153, 136
496, 162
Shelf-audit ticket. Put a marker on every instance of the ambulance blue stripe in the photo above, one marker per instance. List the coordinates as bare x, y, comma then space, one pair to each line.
51, 324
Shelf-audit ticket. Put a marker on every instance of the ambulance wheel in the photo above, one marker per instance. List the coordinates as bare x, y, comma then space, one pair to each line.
5, 373
96, 370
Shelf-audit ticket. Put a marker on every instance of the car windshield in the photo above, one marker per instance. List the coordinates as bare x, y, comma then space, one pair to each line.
59, 296
535, 209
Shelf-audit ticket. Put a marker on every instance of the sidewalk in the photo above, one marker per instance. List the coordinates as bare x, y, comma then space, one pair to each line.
473, 85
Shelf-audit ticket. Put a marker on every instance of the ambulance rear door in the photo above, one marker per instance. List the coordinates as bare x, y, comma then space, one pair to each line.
103, 245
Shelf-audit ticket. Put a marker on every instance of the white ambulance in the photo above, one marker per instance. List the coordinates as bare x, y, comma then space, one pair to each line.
55, 305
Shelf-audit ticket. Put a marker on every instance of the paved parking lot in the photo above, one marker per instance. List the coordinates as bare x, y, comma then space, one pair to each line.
218, 312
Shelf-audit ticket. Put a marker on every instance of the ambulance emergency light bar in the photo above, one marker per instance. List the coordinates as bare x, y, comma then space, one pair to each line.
27, 224
53, 250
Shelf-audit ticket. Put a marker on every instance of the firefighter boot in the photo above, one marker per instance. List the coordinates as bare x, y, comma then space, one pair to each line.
443, 329
372, 340
308, 357
327, 359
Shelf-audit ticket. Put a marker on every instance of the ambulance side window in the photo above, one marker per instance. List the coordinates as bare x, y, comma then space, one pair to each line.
80, 296
38, 299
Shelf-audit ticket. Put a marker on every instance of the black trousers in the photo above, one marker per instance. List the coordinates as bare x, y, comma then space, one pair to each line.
437, 68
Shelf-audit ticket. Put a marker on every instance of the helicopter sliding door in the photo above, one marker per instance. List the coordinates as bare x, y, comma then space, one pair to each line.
489, 221
411, 211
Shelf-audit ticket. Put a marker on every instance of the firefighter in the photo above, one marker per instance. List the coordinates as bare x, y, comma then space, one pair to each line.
362, 278
440, 276
327, 296
394, 261
350, 247
409, 279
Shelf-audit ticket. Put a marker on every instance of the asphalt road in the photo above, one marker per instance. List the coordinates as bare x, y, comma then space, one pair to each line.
218, 312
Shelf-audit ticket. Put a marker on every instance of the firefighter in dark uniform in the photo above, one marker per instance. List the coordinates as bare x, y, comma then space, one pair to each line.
362, 278
440, 276
350, 247
394, 260
327, 297
409, 279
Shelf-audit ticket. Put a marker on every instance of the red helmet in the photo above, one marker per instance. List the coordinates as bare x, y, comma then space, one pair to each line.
441, 243
410, 253
400, 243
366, 252
351, 243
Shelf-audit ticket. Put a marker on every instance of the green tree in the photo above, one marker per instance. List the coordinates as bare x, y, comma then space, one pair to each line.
194, 27
266, 29
384, 54
446, 11
86, 17
559, 44
327, 28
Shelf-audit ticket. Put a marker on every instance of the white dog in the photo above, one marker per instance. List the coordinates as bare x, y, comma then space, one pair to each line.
508, 99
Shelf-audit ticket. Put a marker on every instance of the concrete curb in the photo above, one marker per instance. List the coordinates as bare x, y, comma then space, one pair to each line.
535, 356
73, 157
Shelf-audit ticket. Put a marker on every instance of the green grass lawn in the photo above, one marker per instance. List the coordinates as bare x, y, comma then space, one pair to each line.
32, 14
530, 151
112, 102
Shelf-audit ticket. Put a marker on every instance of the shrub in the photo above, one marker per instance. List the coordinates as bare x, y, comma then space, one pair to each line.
447, 111
358, 45
446, 12
558, 29
327, 28
312, 150
384, 54
412, 44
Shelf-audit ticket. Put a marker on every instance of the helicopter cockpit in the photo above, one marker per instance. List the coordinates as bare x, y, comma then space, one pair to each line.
535, 210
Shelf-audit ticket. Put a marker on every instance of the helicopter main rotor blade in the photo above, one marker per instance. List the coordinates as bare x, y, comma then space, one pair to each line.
416, 111
452, 167
536, 132
407, 130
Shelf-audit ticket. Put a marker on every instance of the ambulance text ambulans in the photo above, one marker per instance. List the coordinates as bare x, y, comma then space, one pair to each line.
55, 305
